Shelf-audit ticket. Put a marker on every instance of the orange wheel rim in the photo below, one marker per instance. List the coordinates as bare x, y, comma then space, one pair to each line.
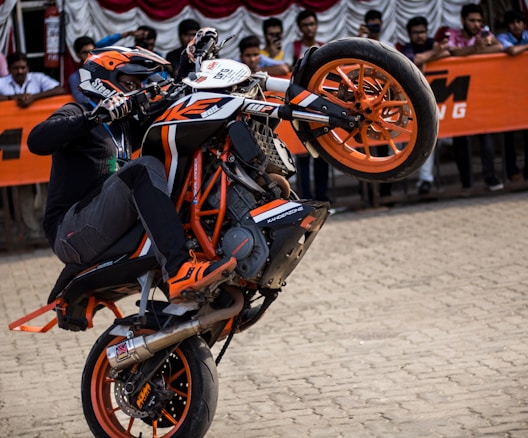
388, 117
117, 423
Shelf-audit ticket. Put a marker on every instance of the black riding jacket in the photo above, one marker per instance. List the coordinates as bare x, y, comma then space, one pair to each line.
83, 157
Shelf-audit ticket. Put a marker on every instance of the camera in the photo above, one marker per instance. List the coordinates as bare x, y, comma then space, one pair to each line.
374, 27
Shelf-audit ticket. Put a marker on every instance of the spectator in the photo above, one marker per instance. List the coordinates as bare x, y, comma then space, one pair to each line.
272, 30
473, 39
144, 36
3, 66
372, 27
82, 46
24, 86
307, 24
96, 193
421, 49
250, 55
514, 42
186, 31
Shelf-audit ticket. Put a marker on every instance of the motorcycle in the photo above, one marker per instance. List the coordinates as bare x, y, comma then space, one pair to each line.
152, 373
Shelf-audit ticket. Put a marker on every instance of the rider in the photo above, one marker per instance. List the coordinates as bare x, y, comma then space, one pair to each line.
96, 193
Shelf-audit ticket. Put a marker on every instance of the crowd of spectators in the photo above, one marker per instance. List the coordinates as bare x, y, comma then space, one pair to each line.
267, 53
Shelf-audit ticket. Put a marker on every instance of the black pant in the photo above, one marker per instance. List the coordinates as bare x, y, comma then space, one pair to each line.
510, 153
320, 170
139, 189
463, 158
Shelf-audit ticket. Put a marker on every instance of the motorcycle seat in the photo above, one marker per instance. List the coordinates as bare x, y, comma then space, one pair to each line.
124, 246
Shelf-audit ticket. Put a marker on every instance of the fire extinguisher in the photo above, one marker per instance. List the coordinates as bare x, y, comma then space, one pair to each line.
51, 36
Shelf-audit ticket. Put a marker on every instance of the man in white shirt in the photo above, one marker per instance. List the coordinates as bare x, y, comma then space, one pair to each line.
24, 86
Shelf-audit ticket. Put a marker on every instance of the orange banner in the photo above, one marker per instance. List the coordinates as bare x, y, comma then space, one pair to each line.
480, 93
17, 164
475, 94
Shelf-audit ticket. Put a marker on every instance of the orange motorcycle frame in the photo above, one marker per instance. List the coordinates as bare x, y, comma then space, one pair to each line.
195, 195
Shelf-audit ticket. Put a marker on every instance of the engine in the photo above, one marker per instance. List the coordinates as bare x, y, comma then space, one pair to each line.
244, 240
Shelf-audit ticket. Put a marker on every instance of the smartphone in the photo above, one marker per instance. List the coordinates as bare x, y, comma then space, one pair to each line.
374, 27
442, 34
276, 36
484, 32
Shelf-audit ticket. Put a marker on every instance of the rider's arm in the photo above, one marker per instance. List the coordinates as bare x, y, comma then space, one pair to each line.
66, 124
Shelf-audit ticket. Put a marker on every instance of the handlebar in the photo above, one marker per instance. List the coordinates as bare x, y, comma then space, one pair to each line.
141, 100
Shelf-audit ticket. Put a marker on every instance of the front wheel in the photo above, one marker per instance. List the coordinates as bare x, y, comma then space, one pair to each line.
398, 117
178, 400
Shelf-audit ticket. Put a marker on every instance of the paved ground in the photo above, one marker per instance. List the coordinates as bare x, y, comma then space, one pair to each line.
409, 322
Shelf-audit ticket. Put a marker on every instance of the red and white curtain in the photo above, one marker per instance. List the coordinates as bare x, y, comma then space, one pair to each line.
6, 24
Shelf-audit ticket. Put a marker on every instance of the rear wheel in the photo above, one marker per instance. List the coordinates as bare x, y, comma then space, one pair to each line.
398, 114
185, 388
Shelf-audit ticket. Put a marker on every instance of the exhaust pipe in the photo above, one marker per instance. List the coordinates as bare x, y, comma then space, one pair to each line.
141, 348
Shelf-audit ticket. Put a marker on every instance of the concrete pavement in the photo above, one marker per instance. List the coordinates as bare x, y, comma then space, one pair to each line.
409, 322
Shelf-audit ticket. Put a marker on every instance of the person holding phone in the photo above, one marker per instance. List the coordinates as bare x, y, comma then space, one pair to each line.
421, 49
473, 39
515, 42
251, 56
372, 27
272, 30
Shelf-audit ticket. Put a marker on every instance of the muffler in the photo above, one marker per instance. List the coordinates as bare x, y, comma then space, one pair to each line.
141, 348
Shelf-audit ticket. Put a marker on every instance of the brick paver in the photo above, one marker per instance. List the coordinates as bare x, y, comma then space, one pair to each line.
409, 322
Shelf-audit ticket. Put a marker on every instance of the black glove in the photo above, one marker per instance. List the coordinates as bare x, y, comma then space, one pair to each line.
201, 41
111, 109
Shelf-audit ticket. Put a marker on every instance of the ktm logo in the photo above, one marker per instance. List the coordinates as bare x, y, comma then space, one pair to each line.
142, 396
458, 89
199, 109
